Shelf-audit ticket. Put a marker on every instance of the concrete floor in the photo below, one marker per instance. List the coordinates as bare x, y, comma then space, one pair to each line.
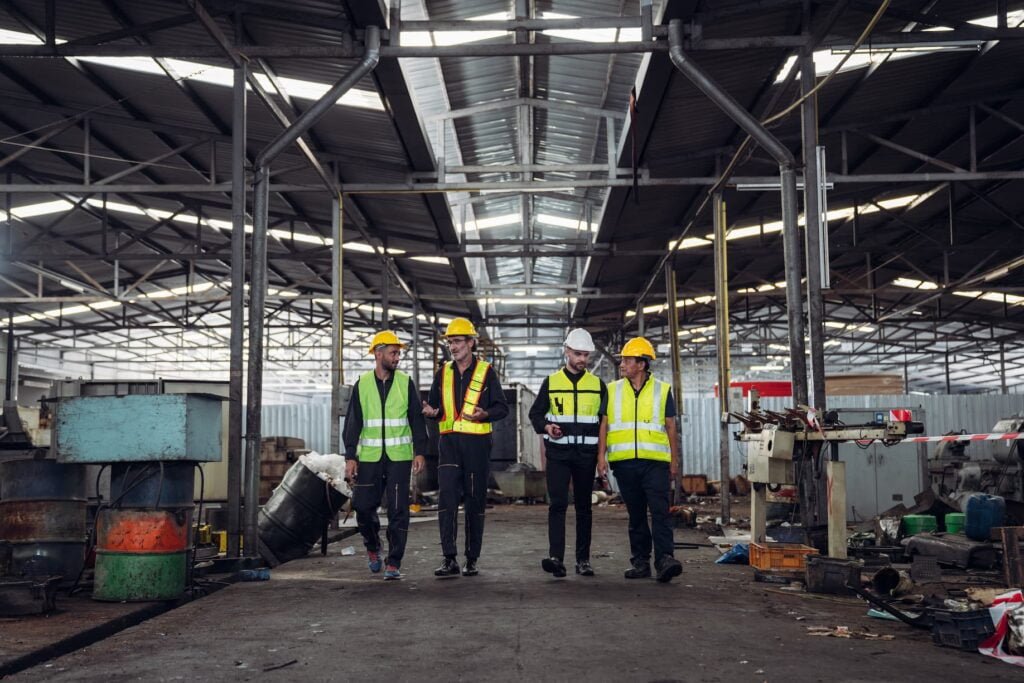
329, 619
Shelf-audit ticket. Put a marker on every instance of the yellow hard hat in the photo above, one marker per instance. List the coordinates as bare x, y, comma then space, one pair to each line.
460, 327
385, 338
638, 347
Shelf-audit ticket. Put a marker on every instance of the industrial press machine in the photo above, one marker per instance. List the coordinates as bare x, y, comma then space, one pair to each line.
801, 446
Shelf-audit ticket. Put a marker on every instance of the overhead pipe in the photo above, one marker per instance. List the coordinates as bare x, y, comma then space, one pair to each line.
787, 173
258, 282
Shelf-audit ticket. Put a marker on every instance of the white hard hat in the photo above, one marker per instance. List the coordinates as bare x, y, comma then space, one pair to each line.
579, 339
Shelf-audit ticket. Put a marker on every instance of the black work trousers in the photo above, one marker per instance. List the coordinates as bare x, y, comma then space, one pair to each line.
463, 469
579, 468
373, 479
645, 485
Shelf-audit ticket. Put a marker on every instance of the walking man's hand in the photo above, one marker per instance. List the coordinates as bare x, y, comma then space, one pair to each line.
429, 411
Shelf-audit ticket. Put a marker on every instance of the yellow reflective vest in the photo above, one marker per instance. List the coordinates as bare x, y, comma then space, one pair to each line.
385, 427
636, 422
574, 408
451, 417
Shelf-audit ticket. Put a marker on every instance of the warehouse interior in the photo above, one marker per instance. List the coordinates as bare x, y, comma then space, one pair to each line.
819, 200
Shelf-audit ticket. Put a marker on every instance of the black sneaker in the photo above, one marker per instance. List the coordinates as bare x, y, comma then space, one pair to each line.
668, 568
639, 570
553, 565
448, 568
470, 568
583, 568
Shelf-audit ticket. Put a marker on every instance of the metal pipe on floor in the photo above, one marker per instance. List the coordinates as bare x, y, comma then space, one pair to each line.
787, 164
236, 372
258, 289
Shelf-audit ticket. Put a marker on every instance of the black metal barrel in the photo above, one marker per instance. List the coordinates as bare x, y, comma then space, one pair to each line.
152, 485
293, 520
43, 517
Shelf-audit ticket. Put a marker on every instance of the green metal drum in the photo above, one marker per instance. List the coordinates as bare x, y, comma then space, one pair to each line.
139, 577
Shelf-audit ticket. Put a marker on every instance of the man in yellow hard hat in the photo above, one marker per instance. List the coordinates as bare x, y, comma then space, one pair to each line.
465, 398
639, 442
385, 438
568, 411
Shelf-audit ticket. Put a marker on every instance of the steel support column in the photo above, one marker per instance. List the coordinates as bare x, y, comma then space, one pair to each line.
787, 163
258, 291
722, 344
677, 369
237, 371
814, 232
337, 319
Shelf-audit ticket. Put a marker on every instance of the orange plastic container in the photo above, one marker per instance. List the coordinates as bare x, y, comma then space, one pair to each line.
142, 531
790, 557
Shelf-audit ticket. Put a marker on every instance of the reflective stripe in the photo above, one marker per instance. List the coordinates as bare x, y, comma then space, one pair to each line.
649, 426
569, 419
643, 446
387, 422
656, 416
398, 441
573, 439
451, 419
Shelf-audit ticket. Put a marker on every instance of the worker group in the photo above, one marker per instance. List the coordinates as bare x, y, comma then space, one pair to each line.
588, 427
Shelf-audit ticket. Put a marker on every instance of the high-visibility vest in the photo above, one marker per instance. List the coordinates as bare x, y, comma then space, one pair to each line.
636, 422
451, 418
385, 427
574, 408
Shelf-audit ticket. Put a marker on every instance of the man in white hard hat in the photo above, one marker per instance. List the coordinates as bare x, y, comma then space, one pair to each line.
568, 410
385, 438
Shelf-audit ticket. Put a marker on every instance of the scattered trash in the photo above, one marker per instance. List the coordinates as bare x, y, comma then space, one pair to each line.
1007, 615
845, 632
879, 614
738, 554
275, 667
348, 550
260, 574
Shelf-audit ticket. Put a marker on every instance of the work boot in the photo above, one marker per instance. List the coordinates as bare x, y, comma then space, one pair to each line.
639, 570
373, 561
391, 573
583, 568
470, 568
553, 565
448, 568
668, 567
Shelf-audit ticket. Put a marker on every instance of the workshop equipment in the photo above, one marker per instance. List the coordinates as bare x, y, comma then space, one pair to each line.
43, 517
296, 515
790, 448
152, 443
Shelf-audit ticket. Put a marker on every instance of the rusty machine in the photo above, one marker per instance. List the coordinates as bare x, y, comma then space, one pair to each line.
801, 446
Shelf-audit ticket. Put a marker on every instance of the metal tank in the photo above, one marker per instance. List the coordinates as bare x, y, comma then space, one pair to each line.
141, 554
294, 518
43, 517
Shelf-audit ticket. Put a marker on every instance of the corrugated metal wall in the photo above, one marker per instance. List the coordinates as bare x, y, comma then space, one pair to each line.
700, 422
942, 414
311, 423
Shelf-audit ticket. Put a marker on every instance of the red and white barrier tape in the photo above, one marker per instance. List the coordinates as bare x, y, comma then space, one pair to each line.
1006, 436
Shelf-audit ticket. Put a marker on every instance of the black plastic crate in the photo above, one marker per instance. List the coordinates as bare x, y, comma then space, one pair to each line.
962, 630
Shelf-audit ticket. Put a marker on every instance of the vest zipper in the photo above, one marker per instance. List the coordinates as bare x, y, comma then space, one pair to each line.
636, 422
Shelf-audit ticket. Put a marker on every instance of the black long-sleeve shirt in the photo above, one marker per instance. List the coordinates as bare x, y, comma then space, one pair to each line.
492, 398
354, 417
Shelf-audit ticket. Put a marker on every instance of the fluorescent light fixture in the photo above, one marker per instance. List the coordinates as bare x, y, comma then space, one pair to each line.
208, 73
444, 38
436, 260
529, 349
72, 285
